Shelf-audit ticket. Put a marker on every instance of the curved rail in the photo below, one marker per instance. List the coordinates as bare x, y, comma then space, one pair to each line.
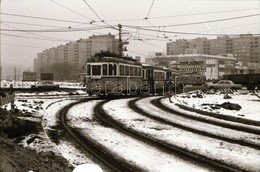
176, 150
88, 144
219, 122
158, 104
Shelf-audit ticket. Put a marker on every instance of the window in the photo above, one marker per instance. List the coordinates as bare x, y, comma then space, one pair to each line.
227, 82
88, 70
127, 71
135, 71
139, 71
96, 69
115, 69
131, 71
105, 69
122, 70
110, 69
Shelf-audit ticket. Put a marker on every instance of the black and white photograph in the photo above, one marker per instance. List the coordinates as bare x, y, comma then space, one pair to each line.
129, 85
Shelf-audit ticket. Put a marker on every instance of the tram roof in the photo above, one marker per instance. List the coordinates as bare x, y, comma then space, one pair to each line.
116, 59
146, 66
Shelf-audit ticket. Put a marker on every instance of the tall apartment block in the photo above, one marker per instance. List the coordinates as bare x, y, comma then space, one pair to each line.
245, 48
67, 61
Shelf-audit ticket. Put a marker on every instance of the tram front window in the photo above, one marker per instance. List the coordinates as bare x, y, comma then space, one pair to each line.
96, 70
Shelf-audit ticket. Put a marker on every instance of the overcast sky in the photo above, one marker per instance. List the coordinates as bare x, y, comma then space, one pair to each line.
26, 24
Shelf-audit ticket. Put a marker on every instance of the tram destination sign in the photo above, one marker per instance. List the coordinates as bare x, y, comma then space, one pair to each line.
29, 76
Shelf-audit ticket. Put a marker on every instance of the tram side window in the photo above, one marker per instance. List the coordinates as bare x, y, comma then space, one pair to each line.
115, 69
135, 71
159, 75
112, 70
88, 70
139, 71
96, 69
122, 70
131, 71
127, 71
105, 69
148, 74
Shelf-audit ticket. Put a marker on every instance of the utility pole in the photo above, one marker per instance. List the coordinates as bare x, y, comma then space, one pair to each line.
120, 46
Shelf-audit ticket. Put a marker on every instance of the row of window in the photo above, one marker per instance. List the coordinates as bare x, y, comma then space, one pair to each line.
111, 70
124, 70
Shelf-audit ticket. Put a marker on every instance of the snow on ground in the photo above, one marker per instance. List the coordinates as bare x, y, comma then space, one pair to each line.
236, 155
134, 150
249, 103
28, 84
137, 152
46, 113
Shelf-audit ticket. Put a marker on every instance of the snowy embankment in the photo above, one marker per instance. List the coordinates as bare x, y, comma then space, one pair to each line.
44, 107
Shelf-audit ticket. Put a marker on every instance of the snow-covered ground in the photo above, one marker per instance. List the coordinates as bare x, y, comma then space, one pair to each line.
249, 103
28, 84
133, 150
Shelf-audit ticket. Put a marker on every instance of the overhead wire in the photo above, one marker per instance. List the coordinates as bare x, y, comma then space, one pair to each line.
44, 18
32, 24
149, 10
55, 30
192, 33
50, 38
103, 21
201, 22
183, 15
93, 11
71, 10
139, 27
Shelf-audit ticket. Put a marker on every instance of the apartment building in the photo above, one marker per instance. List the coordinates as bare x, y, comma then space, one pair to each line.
245, 48
210, 66
67, 61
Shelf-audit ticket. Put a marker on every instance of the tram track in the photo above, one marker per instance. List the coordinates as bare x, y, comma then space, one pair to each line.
132, 105
114, 163
185, 154
254, 129
104, 156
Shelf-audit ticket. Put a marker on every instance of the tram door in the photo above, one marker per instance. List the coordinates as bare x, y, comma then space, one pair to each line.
150, 78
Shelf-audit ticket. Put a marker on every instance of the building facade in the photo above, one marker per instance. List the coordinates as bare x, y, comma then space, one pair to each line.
245, 48
67, 61
210, 66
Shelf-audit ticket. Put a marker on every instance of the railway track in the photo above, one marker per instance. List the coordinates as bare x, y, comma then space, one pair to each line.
194, 157
89, 145
201, 121
214, 120
115, 164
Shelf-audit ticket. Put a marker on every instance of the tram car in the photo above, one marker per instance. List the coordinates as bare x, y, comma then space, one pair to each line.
111, 74
159, 79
